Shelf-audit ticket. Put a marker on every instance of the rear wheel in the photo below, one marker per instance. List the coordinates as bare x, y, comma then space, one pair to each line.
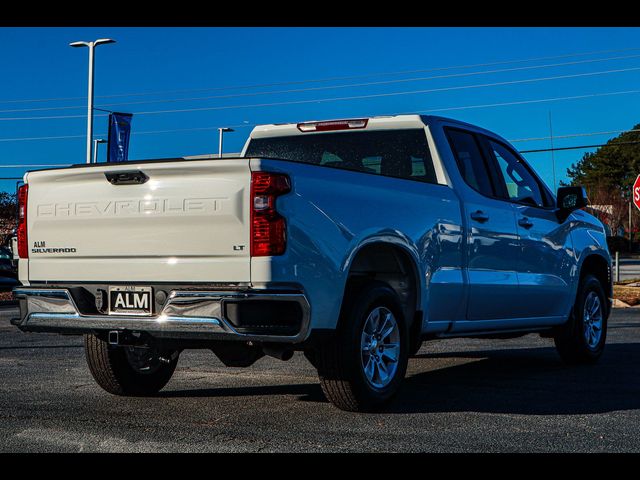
129, 371
583, 337
363, 369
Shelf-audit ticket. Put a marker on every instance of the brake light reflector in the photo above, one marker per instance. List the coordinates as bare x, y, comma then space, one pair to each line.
23, 244
333, 125
268, 227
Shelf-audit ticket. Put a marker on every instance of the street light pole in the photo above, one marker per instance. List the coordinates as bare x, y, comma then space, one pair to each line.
222, 130
96, 141
91, 46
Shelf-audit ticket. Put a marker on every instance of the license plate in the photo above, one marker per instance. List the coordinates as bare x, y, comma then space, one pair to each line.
130, 300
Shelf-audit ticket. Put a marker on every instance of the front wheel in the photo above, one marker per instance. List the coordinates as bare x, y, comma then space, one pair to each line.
582, 338
129, 371
363, 369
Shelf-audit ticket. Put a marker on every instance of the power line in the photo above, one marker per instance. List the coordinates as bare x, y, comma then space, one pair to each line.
149, 132
578, 147
405, 72
37, 165
354, 97
329, 79
391, 94
588, 134
330, 87
57, 137
352, 85
522, 102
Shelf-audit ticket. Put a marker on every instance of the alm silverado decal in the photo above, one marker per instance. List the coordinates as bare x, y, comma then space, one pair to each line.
41, 247
158, 206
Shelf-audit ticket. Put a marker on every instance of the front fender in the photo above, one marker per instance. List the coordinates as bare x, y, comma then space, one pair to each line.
589, 238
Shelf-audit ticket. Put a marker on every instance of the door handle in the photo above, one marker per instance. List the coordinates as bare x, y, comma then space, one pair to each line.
479, 216
128, 177
525, 222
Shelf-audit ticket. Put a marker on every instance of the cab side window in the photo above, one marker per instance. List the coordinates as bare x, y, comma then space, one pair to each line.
521, 185
471, 163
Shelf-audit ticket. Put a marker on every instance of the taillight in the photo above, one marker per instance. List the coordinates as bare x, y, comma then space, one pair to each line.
268, 227
23, 244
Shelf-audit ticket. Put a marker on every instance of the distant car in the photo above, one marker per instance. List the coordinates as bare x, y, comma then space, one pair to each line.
8, 270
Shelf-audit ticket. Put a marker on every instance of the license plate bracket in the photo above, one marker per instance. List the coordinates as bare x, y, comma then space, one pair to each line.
130, 300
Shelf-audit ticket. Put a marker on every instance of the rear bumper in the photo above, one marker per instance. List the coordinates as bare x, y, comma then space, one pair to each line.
186, 315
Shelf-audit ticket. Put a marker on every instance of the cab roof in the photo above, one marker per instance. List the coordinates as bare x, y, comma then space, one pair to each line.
371, 123
380, 122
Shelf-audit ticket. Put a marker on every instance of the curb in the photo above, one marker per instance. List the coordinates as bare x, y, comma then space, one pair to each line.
620, 304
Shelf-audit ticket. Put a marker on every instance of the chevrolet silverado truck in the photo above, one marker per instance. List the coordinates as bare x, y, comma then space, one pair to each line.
352, 241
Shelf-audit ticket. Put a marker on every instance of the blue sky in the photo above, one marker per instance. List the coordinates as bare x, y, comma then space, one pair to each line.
157, 69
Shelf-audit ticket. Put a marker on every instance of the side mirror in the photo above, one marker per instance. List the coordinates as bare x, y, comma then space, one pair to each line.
571, 198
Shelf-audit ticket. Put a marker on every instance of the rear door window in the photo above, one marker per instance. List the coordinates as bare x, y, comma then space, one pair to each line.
471, 162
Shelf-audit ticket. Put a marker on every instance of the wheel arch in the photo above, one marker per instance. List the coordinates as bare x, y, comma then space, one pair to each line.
598, 265
393, 262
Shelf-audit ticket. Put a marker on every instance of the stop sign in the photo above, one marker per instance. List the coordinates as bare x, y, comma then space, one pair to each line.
636, 192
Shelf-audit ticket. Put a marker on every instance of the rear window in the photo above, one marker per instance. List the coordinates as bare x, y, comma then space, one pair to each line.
393, 153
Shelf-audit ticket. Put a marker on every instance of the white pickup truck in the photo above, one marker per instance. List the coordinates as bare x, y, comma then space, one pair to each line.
350, 240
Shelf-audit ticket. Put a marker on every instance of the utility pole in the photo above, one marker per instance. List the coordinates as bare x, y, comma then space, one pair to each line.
553, 159
630, 230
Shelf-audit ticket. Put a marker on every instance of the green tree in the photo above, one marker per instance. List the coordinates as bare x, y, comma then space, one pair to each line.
614, 165
608, 175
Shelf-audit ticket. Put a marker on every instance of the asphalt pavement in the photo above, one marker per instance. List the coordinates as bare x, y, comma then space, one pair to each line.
461, 395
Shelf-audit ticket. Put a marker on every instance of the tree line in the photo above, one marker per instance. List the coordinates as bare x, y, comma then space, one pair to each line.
8, 210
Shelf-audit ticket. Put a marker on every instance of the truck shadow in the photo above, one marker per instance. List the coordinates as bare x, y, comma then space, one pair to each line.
530, 381
525, 381
307, 392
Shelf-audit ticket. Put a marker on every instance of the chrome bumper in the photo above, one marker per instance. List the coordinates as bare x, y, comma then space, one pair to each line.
192, 315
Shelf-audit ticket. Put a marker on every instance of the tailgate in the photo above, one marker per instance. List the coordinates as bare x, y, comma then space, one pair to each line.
189, 222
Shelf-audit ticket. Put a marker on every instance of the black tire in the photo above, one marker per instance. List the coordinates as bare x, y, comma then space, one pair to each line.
311, 356
571, 340
112, 369
415, 337
416, 345
339, 363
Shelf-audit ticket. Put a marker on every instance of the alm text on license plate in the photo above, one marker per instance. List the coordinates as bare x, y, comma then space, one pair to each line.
130, 300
